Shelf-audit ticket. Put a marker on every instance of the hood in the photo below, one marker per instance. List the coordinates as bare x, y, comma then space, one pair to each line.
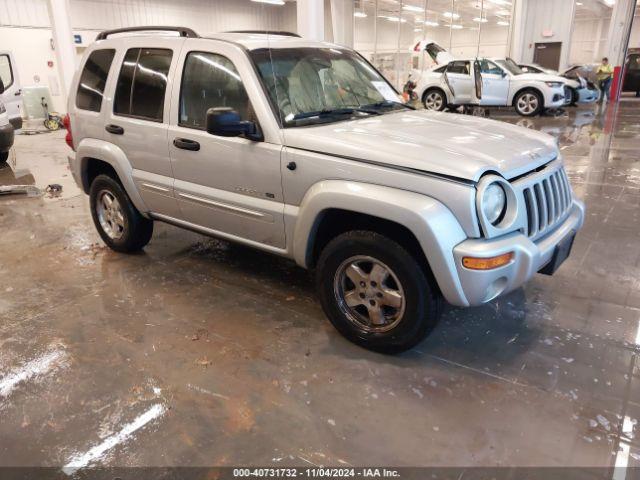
459, 146
541, 77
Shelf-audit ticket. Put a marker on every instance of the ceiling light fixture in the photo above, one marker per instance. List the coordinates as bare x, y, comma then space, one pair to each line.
270, 2
411, 8
503, 23
360, 14
457, 27
455, 16
480, 20
429, 23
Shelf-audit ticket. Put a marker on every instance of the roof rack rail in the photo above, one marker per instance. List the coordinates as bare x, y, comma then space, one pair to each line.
183, 31
267, 32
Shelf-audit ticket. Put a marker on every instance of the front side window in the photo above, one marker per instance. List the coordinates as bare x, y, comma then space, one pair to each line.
319, 85
487, 66
93, 80
509, 65
142, 83
6, 73
210, 81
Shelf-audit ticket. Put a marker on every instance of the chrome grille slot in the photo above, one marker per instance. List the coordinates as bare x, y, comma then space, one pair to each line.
547, 199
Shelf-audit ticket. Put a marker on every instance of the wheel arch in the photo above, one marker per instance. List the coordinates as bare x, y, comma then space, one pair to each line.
435, 87
96, 157
421, 224
527, 88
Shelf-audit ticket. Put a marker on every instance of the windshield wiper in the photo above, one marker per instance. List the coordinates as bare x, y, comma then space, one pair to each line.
388, 103
328, 112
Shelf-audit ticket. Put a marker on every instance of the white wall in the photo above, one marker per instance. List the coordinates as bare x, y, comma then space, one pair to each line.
25, 29
589, 40
539, 16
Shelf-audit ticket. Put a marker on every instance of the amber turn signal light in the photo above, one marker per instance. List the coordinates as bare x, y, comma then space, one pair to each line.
475, 263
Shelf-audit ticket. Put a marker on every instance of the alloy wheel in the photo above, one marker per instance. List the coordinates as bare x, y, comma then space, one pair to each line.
110, 215
433, 101
369, 294
528, 103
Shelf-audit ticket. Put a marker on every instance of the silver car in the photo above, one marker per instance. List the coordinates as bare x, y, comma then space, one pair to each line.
302, 149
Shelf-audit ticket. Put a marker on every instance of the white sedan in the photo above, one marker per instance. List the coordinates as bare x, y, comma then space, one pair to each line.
491, 82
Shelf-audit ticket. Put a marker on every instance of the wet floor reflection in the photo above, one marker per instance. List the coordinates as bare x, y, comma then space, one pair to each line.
240, 350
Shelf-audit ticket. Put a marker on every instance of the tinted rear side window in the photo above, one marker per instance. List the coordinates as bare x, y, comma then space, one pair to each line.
459, 67
93, 79
142, 83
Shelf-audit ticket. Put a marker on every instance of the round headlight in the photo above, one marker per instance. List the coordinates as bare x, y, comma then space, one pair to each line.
494, 203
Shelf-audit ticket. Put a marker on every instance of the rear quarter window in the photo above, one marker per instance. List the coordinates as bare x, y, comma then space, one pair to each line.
6, 73
142, 83
93, 80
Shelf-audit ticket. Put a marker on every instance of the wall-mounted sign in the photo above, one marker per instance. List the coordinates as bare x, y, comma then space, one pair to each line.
547, 33
77, 39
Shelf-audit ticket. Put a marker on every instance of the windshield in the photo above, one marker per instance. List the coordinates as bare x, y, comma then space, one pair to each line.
510, 66
320, 85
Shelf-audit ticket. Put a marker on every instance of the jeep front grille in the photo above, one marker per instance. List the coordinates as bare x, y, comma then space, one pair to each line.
547, 200
567, 95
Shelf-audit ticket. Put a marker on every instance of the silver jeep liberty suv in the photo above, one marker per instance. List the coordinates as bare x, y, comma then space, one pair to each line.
302, 149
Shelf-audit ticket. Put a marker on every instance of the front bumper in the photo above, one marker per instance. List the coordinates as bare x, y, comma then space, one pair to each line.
587, 95
554, 97
481, 286
6, 137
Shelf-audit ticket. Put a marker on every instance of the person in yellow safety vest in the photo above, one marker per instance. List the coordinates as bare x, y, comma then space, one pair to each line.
604, 74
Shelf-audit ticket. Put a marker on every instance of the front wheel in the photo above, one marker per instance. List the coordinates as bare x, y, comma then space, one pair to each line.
375, 292
4, 156
434, 100
118, 221
529, 103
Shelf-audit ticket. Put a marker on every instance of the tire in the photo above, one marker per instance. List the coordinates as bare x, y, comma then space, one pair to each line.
415, 298
528, 103
4, 156
122, 228
434, 99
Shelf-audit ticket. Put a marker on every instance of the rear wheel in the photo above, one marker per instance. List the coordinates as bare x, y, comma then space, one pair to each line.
375, 293
434, 99
119, 223
528, 103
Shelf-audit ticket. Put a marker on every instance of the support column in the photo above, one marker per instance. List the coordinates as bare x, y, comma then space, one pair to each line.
342, 21
619, 30
60, 18
618, 41
517, 30
310, 19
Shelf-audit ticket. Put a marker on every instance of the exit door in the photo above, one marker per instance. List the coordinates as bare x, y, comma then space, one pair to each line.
547, 55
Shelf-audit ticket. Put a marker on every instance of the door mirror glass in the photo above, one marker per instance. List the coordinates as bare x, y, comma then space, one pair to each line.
226, 122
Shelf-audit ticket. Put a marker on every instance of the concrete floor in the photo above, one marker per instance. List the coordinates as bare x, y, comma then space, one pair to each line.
198, 352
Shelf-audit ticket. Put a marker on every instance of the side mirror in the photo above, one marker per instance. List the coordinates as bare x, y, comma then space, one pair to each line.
226, 122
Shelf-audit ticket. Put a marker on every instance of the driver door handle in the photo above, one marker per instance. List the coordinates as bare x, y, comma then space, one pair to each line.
115, 129
186, 144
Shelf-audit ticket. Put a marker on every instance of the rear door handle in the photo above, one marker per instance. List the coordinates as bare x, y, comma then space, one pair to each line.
18, 93
186, 144
115, 129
